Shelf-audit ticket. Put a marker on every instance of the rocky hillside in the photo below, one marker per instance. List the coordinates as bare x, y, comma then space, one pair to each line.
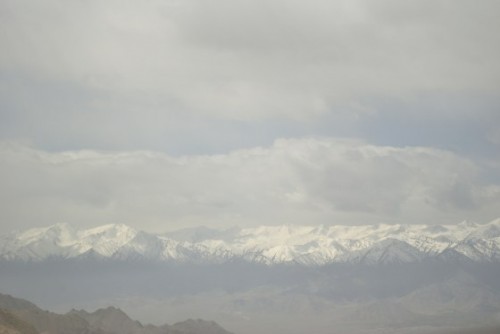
18, 316
11, 324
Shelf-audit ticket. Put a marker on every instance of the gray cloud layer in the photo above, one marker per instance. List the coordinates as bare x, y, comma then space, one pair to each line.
304, 181
194, 78
121, 74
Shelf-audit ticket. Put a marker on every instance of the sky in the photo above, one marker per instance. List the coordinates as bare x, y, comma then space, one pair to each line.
166, 114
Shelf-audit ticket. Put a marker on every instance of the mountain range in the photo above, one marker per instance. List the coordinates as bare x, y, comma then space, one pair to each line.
269, 245
403, 279
18, 316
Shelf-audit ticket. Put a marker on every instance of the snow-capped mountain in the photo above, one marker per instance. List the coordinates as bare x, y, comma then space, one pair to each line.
307, 245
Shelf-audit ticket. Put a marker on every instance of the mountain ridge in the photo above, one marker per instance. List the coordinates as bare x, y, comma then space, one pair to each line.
18, 316
289, 244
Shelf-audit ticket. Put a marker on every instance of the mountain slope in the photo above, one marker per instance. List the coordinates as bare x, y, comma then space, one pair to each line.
18, 316
306, 245
43, 321
11, 324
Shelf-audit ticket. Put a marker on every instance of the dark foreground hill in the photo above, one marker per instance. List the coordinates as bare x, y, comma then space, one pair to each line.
18, 316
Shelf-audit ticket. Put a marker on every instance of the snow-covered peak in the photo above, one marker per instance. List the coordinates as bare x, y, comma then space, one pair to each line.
58, 233
62, 240
311, 245
110, 230
105, 240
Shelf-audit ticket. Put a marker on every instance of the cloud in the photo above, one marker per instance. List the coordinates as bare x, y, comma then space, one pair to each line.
228, 76
297, 181
252, 60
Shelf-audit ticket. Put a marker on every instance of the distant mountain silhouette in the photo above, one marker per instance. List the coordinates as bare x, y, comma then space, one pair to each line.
18, 316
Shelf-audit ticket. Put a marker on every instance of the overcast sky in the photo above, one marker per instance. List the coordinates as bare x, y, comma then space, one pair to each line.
164, 114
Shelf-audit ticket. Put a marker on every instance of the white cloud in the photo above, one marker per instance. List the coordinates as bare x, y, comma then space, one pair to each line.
293, 181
